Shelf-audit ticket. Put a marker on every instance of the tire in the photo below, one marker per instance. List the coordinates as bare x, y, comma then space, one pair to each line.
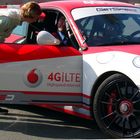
116, 107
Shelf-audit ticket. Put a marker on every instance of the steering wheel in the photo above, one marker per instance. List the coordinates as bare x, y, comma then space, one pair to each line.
135, 33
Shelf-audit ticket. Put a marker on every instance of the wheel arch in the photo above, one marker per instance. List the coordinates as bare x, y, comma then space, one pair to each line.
98, 82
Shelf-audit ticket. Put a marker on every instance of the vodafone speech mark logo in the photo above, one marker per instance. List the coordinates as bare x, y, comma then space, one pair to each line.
33, 78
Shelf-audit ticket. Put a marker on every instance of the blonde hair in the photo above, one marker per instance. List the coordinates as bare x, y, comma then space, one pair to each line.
30, 9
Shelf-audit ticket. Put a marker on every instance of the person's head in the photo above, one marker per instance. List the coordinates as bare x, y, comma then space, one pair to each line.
30, 11
61, 24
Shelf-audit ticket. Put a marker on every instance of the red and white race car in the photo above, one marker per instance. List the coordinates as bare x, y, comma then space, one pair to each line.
96, 77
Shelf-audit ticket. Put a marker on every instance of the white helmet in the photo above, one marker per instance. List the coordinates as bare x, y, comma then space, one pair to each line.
45, 38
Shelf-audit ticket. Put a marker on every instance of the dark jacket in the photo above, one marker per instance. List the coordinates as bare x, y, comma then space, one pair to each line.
64, 41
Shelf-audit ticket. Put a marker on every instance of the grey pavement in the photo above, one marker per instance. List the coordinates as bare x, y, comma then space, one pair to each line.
34, 123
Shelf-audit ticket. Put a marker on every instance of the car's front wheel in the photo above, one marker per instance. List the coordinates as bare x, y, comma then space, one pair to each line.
116, 107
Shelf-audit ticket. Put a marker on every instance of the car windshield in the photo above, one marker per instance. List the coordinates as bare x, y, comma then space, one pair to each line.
108, 25
21, 29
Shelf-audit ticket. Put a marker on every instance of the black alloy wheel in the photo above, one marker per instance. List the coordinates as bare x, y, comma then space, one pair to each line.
116, 107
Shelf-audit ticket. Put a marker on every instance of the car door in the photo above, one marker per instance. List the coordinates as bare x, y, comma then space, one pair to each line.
40, 74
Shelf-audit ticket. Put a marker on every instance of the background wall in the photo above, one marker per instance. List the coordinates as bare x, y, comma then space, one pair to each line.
5, 2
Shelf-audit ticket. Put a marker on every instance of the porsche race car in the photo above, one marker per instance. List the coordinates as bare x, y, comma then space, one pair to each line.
96, 77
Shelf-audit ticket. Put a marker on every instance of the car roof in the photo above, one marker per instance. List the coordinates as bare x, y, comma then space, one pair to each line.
71, 4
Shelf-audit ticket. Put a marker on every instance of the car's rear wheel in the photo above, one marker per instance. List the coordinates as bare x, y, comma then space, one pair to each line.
116, 107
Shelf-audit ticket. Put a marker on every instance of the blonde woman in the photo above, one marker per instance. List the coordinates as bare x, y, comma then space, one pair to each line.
10, 18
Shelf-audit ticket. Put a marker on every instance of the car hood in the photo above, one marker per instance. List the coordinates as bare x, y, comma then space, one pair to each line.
133, 49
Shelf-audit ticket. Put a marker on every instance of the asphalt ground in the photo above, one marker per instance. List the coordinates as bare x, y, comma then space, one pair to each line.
35, 123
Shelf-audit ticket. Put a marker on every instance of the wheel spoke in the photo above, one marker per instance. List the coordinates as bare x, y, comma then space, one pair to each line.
107, 103
137, 123
113, 120
136, 110
124, 125
106, 93
136, 101
130, 125
118, 90
119, 120
134, 95
108, 115
126, 85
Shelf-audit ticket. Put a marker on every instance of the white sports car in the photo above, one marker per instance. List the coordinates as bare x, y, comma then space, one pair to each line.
96, 77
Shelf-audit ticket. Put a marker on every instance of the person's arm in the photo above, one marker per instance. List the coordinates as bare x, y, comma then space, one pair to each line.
4, 28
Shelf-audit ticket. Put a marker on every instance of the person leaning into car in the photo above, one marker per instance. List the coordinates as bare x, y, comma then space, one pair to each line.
10, 18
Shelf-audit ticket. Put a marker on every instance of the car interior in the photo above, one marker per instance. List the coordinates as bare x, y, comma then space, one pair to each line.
48, 23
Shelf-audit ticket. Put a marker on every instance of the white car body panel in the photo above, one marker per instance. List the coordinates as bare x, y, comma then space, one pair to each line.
100, 63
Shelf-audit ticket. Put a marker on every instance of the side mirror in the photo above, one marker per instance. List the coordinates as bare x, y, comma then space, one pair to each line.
45, 38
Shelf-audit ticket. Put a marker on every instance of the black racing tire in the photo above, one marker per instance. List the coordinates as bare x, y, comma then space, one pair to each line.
116, 107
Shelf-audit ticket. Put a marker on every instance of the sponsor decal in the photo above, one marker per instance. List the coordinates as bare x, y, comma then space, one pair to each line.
64, 79
33, 78
110, 9
2, 97
93, 11
9, 97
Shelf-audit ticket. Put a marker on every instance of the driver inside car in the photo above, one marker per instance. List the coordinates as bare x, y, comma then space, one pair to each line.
61, 32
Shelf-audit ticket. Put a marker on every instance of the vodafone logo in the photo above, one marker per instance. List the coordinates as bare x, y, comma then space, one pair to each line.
33, 78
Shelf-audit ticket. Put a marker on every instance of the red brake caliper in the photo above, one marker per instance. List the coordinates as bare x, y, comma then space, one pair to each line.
110, 105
